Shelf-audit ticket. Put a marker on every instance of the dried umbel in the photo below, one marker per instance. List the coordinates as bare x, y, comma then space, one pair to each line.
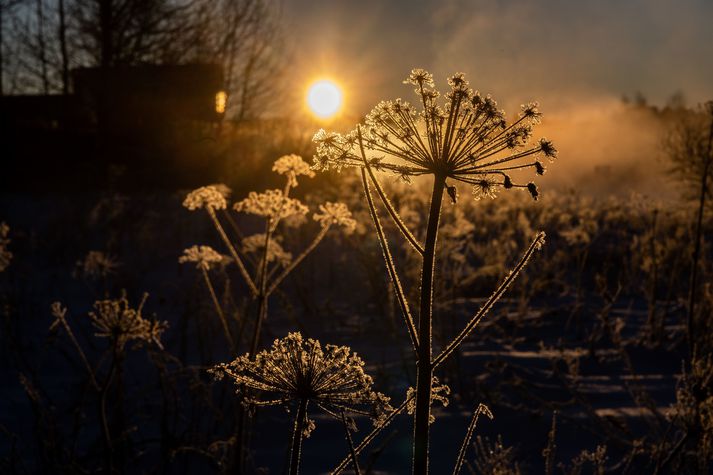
203, 256
272, 204
292, 166
335, 213
5, 255
439, 393
209, 197
97, 264
297, 369
255, 244
466, 139
115, 319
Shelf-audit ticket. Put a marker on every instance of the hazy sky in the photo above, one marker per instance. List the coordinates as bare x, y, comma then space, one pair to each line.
557, 51
576, 57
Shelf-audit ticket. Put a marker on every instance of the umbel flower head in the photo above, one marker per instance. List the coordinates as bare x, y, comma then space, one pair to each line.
275, 252
115, 319
297, 369
204, 256
335, 213
271, 204
209, 197
464, 138
292, 166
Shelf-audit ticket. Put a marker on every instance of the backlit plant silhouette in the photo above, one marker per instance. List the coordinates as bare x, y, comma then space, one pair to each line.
301, 371
270, 261
120, 323
463, 139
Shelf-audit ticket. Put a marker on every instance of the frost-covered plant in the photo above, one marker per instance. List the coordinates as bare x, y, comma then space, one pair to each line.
118, 321
270, 262
298, 370
463, 139
265, 249
5, 254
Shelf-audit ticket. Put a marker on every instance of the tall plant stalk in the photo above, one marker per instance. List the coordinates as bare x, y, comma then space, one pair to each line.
425, 351
697, 244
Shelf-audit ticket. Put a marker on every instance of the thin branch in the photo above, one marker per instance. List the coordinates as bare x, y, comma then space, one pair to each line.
398, 289
278, 280
350, 441
389, 207
233, 252
536, 243
219, 309
372, 435
482, 408
60, 313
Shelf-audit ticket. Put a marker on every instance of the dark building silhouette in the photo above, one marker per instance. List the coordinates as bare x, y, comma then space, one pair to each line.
126, 126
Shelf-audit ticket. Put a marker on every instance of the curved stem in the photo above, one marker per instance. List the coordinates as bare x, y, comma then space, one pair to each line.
219, 310
278, 280
425, 370
494, 297
392, 211
482, 408
372, 435
350, 441
109, 449
390, 267
296, 449
697, 248
233, 252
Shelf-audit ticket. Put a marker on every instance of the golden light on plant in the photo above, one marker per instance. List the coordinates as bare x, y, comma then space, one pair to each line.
221, 101
324, 98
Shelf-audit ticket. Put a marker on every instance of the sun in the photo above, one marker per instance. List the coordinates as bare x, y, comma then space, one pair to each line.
324, 98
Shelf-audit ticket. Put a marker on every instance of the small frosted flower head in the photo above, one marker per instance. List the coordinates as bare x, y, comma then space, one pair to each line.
335, 213
97, 264
271, 204
463, 138
5, 255
439, 393
292, 166
204, 257
208, 197
115, 319
548, 149
296, 369
487, 187
255, 244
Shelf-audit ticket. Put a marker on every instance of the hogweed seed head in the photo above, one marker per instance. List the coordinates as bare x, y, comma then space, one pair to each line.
209, 197
271, 204
204, 257
115, 319
292, 166
275, 252
97, 264
465, 138
335, 213
296, 369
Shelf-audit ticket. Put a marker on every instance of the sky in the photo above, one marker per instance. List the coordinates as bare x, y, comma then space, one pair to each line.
578, 58
556, 51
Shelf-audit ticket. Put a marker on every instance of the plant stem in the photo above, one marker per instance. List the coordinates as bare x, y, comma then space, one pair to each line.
350, 441
233, 252
219, 310
424, 376
108, 446
697, 246
296, 448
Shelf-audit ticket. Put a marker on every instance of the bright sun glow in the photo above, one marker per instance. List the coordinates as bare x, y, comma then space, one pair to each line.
324, 98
